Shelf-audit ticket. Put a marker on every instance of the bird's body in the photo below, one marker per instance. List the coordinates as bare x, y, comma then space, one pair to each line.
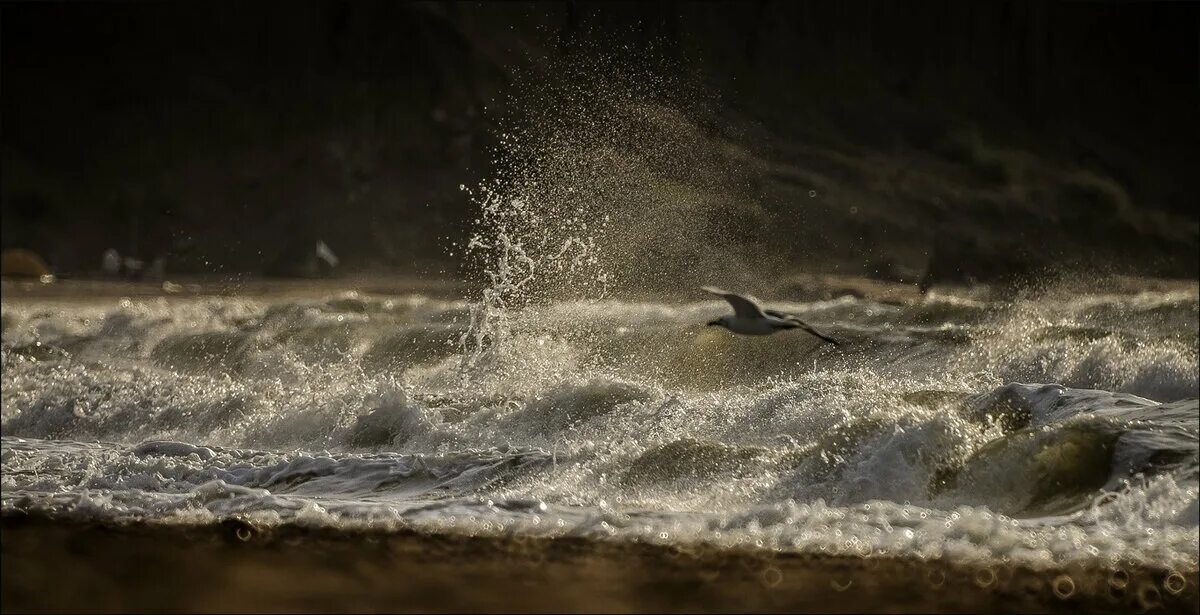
751, 326
749, 318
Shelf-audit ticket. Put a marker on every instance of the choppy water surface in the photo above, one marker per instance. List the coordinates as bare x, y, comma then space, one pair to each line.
1041, 430
1044, 430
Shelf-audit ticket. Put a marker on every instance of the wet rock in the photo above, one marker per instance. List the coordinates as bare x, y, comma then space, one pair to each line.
305, 259
19, 263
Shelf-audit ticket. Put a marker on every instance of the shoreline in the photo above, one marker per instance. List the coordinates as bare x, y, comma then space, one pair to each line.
230, 566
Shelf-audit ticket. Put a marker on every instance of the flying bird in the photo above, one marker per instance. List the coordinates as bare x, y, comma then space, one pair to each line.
749, 318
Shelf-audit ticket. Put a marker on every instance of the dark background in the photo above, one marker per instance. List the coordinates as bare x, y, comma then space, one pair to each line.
230, 135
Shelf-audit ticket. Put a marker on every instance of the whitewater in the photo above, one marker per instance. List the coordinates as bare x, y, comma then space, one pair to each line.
1041, 431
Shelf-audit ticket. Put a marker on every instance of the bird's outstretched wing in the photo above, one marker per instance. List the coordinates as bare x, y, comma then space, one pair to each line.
800, 324
743, 307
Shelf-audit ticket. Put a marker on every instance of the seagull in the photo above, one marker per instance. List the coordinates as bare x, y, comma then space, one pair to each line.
750, 319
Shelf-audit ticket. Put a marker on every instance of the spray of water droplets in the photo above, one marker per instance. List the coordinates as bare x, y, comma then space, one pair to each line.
608, 177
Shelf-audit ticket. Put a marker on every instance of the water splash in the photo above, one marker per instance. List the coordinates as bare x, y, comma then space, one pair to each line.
605, 181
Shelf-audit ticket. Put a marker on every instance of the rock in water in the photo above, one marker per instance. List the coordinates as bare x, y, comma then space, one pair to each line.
19, 263
110, 262
306, 260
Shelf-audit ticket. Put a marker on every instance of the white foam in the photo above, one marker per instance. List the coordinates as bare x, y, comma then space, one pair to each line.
580, 410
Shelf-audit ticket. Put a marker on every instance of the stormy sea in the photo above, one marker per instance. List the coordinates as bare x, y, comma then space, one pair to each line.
561, 424
1043, 432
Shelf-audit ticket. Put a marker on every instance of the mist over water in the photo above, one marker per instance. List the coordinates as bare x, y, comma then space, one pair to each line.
579, 392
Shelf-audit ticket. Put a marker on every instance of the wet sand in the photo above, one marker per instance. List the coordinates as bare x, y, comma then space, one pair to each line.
54, 565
